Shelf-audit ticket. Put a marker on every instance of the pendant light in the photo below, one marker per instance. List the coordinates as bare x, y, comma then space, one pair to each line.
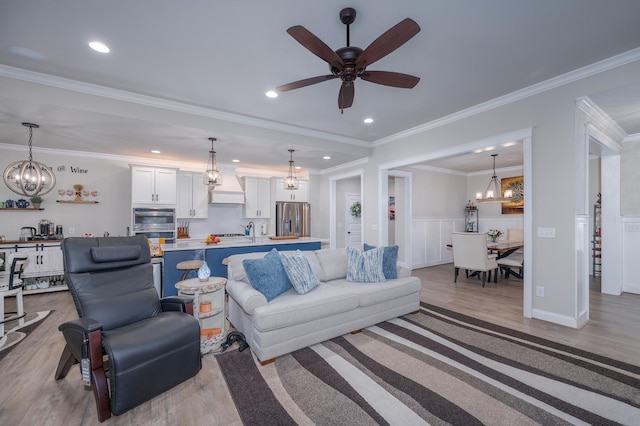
493, 193
212, 177
29, 177
291, 181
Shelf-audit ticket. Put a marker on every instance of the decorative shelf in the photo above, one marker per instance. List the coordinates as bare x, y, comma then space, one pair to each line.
16, 208
74, 202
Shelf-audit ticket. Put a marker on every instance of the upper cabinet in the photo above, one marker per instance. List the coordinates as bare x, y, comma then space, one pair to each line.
153, 185
192, 196
257, 192
301, 194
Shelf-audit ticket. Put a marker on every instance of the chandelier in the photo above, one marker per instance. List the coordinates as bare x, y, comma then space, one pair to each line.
29, 177
291, 181
212, 177
493, 193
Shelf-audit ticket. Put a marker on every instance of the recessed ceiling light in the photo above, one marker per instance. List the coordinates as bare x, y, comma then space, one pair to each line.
155, 151
272, 94
368, 120
326, 157
235, 161
26, 53
99, 47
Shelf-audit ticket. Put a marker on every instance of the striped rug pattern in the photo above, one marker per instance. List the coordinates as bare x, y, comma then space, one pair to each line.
434, 367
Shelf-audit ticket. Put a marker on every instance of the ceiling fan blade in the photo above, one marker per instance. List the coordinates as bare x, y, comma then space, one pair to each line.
315, 46
306, 82
345, 97
389, 78
393, 38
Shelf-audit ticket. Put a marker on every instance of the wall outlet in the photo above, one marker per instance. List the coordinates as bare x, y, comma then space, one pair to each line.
71, 230
539, 291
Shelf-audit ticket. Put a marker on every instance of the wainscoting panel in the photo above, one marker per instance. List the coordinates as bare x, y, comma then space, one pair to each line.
631, 254
429, 241
430, 237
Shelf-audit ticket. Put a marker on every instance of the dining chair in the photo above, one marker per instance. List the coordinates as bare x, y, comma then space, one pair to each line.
11, 285
470, 253
514, 261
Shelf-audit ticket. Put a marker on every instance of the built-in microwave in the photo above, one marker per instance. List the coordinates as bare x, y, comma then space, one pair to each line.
155, 222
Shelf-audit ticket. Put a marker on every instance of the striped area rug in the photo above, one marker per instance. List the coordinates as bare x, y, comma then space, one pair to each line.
435, 367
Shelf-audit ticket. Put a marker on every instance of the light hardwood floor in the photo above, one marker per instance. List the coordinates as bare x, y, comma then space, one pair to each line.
30, 396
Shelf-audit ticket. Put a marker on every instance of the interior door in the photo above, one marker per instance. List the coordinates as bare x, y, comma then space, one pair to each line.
353, 227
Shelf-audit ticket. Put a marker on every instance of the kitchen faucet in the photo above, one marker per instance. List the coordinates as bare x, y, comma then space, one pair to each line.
252, 231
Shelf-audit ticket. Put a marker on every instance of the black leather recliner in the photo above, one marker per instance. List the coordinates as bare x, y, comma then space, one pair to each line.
151, 344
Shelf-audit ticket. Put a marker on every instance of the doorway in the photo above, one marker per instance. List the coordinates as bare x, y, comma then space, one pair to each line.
339, 187
353, 221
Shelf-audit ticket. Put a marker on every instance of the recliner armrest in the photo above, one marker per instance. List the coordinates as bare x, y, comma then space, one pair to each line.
83, 325
177, 303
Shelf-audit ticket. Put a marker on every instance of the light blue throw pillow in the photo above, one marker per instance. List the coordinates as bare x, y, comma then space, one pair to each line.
267, 275
300, 272
389, 260
365, 266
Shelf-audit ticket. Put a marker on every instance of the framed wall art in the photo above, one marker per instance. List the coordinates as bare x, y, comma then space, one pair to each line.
516, 186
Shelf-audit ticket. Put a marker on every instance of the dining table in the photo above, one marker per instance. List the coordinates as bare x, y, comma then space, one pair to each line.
504, 248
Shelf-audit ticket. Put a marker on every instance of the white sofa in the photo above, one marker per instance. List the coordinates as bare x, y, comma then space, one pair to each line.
292, 321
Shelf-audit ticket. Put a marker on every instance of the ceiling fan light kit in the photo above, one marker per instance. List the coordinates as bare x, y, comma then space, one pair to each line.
291, 182
29, 177
493, 193
212, 177
350, 62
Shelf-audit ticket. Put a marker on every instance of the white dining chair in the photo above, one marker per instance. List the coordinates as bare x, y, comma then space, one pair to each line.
470, 253
514, 261
11, 285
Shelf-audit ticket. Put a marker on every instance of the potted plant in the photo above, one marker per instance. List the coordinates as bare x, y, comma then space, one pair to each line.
36, 201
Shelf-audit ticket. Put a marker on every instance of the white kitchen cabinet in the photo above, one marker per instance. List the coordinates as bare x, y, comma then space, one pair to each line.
301, 194
257, 193
191, 196
153, 185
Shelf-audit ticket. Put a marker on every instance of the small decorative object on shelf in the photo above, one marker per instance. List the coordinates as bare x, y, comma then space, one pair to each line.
494, 234
79, 195
470, 218
204, 272
356, 209
36, 201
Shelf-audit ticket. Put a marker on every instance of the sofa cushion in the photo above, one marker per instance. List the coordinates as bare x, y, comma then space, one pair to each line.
267, 275
313, 260
235, 270
365, 266
381, 292
333, 263
300, 272
389, 260
291, 308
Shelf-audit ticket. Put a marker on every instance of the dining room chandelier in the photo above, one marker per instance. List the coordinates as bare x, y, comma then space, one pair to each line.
212, 177
493, 193
29, 177
291, 182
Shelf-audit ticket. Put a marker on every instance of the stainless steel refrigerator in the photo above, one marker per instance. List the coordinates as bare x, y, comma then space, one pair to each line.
293, 219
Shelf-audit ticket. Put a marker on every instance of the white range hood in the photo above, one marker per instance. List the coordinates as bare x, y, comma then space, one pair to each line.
230, 192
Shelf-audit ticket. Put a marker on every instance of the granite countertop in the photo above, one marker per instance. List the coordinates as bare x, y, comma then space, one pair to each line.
22, 243
196, 244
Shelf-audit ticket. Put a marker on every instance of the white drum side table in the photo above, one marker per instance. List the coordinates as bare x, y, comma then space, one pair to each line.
208, 308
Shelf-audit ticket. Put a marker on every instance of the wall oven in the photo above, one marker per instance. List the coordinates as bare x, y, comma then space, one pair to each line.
155, 223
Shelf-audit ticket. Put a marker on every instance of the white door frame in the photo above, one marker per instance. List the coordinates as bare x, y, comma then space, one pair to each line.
349, 217
332, 202
527, 164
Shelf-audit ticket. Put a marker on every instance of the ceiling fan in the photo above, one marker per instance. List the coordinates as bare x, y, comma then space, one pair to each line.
350, 62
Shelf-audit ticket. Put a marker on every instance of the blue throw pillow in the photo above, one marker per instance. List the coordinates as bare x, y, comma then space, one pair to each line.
300, 272
365, 266
267, 275
389, 260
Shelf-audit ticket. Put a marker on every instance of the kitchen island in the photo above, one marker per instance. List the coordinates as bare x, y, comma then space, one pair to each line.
214, 254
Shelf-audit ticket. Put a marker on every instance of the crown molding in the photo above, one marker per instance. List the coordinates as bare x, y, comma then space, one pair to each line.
350, 165
151, 101
601, 119
552, 83
632, 138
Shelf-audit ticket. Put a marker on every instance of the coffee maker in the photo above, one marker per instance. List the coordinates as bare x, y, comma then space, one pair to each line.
48, 230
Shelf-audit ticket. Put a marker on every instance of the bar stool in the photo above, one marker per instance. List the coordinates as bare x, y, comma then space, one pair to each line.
188, 266
12, 286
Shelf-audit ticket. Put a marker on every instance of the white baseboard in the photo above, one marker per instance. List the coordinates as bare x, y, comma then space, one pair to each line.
555, 318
